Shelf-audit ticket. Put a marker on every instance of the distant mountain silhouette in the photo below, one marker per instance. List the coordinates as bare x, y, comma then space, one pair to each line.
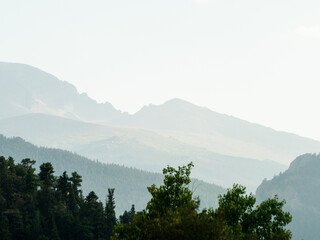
221, 133
25, 89
299, 186
49, 112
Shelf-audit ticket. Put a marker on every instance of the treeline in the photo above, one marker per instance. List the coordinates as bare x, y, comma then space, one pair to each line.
43, 206
130, 183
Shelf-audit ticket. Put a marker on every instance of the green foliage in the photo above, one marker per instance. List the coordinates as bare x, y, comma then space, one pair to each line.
266, 221
270, 220
46, 174
92, 214
172, 214
235, 207
127, 217
110, 213
173, 194
43, 206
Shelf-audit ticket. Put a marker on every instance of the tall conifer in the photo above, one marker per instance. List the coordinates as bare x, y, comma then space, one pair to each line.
111, 219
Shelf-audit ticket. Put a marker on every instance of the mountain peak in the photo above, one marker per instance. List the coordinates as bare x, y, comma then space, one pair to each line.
25, 89
176, 101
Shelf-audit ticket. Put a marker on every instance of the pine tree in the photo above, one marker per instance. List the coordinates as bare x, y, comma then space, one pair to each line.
111, 219
75, 194
93, 216
46, 174
127, 217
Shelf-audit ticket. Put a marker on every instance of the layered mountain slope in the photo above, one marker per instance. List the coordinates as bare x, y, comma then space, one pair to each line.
42, 109
299, 186
221, 133
137, 148
130, 184
25, 89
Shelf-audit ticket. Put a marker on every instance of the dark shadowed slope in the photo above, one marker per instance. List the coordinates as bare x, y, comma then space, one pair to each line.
299, 186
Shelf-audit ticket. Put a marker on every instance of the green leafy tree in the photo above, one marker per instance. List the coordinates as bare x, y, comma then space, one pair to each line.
266, 222
170, 214
47, 207
270, 220
235, 207
173, 194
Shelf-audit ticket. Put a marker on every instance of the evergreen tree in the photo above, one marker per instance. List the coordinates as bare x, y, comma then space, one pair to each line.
45, 207
92, 217
31, 179
75, 193
63, 186
127, 217
132, 211
110, 214
46, 175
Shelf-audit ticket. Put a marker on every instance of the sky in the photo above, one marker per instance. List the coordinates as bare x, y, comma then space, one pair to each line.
256, 60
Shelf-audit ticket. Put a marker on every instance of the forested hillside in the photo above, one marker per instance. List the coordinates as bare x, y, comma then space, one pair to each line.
299, 185
130, 184
47, 207
138, 148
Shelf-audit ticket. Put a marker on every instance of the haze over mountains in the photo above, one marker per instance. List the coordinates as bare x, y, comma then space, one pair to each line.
130, 183
48, 112
221, 133
25, 89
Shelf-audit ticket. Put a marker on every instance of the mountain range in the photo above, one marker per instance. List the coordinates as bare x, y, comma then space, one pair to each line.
49, 112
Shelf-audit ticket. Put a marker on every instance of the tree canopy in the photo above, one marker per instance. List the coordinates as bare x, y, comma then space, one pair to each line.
44, 206
172, 213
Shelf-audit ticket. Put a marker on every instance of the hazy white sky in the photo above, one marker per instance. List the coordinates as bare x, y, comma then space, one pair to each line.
256, 60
